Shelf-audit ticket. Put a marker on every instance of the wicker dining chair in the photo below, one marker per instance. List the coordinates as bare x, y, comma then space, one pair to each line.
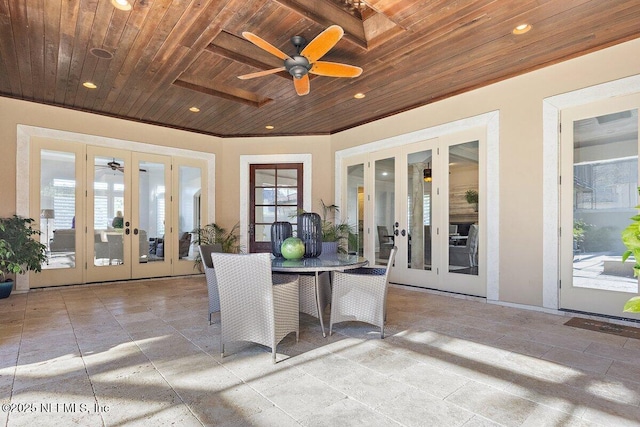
361, 295
210, 275
255, 305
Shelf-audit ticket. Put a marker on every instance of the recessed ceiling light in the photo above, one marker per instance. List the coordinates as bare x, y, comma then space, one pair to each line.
121, 4
194, 109
359, 95
521, 29
89, 85
269, 127
101, 53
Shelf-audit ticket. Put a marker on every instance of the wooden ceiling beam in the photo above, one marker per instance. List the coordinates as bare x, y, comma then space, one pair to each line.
327, 13
220, 94
233, 48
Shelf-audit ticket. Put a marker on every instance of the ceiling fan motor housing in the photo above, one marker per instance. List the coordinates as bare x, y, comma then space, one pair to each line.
297, 66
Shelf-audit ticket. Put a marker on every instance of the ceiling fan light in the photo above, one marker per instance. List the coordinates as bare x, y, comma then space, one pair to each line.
89, 85
359, 95
121, 4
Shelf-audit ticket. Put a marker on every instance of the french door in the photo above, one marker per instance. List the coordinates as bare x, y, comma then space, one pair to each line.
109, 214
127, 213
599, 194
413, 197
275, 194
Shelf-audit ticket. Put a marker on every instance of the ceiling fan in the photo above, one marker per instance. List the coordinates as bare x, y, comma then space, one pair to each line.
116, 166
306, 59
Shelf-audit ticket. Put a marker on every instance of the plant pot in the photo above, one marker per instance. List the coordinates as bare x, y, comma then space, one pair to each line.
6, 288
329, 248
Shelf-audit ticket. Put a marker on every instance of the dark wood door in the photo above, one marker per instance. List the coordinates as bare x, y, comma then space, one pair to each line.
275, 195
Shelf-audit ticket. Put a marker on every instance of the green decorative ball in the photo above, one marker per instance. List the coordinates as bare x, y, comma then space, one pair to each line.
292, 248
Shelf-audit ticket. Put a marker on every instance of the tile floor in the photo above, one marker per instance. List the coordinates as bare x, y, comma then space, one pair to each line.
143, 353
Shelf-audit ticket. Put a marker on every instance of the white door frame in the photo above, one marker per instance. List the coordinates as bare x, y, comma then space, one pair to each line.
551, 108
491, 122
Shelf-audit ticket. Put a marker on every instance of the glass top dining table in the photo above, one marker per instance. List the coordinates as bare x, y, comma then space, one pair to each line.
323, 263
334, 262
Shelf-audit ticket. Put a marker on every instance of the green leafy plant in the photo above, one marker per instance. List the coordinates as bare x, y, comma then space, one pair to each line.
471, 196
19, 252
335, 231
213, 233
631, 240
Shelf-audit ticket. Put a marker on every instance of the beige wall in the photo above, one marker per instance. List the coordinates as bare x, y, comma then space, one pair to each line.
519, 101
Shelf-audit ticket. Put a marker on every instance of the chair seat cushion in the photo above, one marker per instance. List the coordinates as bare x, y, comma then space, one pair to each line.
381, 271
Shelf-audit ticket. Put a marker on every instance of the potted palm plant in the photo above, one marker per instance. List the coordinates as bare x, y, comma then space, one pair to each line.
213, 233
336, 234
19, 252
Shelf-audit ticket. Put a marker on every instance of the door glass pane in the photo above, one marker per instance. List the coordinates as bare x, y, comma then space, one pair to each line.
265, 178
263, 233
189, 209
605, 168
58, 208
419, 175
384, 215
151, 200
108, 219
463, 207
355, 207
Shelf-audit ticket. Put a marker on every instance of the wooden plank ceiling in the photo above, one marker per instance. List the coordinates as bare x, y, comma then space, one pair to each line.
169, 55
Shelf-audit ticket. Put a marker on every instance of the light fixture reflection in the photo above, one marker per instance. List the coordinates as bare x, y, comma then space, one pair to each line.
270, 127
89, 85
194, 109
427, 173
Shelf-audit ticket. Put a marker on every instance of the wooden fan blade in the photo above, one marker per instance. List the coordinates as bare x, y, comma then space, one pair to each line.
302, 85
334, 69
323, 43
261, 73
262, 44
